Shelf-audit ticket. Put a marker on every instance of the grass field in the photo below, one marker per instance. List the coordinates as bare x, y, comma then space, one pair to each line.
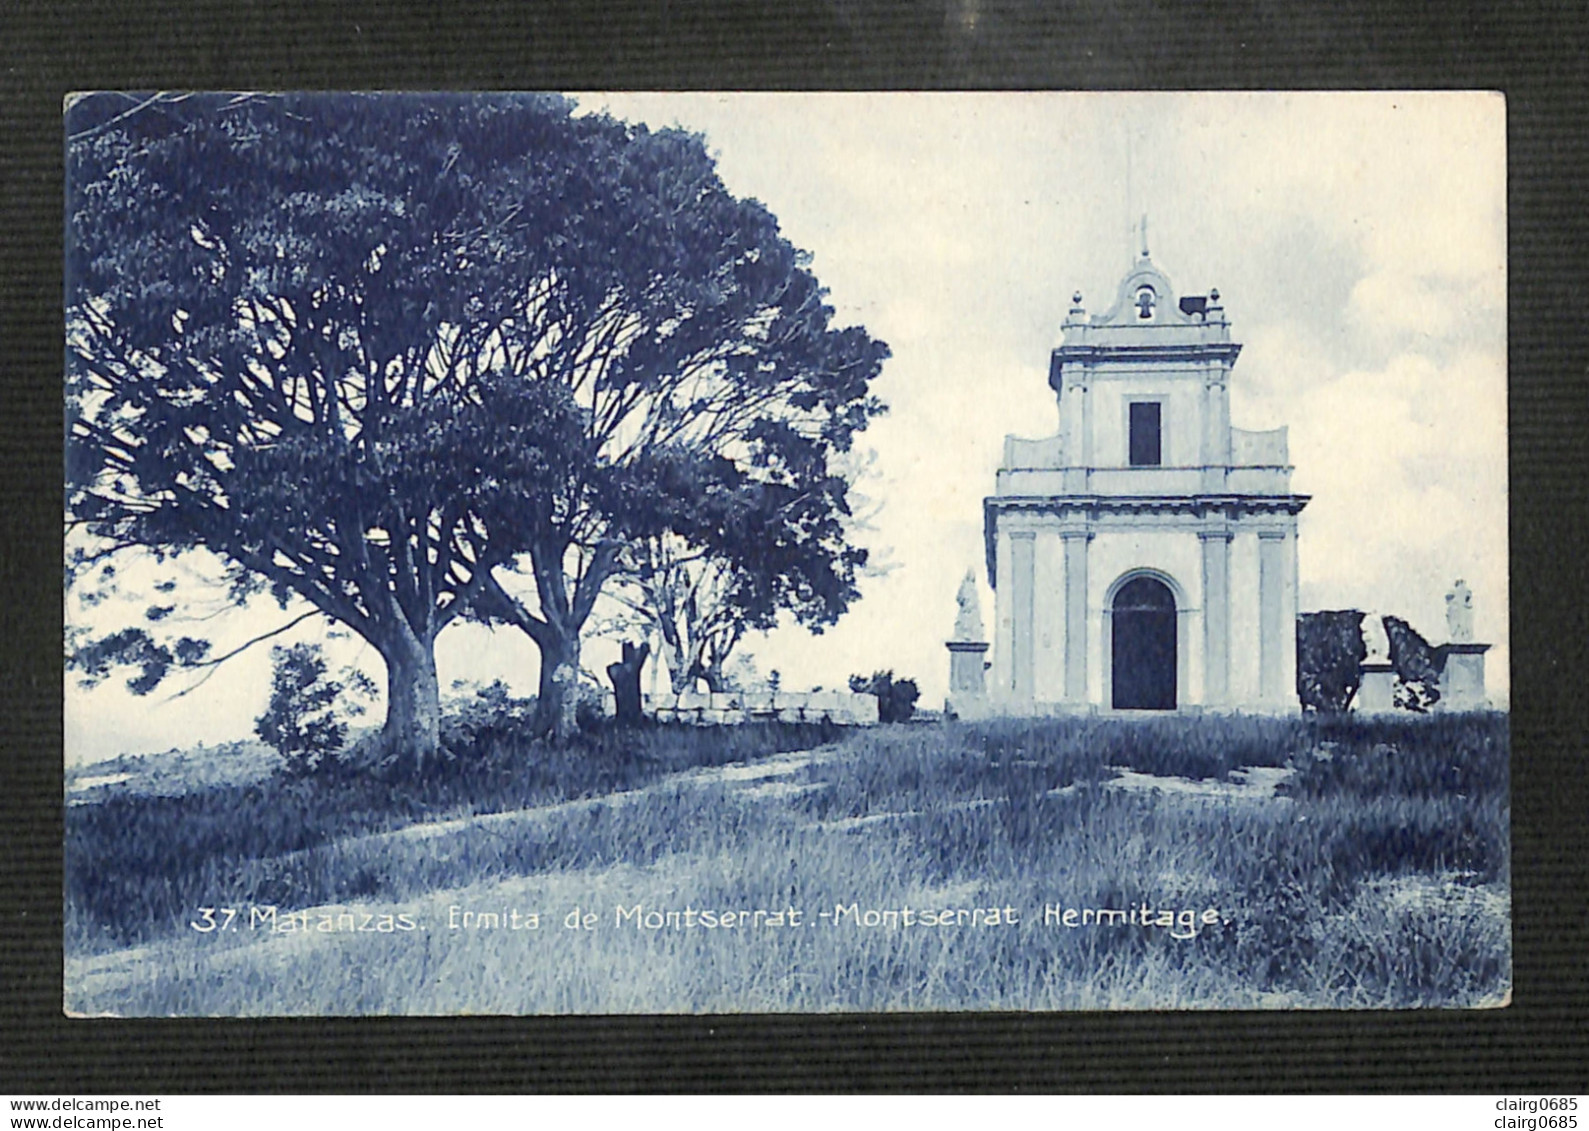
1005, 865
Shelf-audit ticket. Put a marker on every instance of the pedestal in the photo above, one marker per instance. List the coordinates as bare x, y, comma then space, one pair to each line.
1376, 693
968, 689
1462, 679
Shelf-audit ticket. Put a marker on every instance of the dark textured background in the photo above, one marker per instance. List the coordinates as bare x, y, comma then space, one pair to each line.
1533, 51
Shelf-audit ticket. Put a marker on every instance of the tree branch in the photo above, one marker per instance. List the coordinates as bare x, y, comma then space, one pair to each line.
257, 639
84, 135
214, 665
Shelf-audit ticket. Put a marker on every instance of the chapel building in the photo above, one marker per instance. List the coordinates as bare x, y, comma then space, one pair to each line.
1145, 557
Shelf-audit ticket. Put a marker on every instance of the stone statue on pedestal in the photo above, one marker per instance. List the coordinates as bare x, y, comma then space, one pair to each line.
1459, 613
968, 620
1462, 678
967, 678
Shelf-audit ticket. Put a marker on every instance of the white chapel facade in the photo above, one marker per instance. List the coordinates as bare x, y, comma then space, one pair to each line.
1145, 557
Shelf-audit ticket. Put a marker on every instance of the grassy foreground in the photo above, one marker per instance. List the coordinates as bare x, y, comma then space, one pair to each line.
1005, 865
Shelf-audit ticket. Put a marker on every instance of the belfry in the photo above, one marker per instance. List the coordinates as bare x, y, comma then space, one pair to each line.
1144, 558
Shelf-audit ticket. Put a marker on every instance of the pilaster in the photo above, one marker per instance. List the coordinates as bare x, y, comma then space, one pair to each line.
1216, 428
1004, 617
1216, 616
1271, 622
1075, 543
1076, 409
1023, 545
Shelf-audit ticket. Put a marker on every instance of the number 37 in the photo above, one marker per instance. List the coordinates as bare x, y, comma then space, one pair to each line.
206, 923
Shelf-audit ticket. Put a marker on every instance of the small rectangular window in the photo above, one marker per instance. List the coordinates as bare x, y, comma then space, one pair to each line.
1145, 434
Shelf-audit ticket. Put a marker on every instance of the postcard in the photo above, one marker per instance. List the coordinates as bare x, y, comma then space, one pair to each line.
730, 553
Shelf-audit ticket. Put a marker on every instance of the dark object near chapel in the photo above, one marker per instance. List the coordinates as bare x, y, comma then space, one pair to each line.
1143, 645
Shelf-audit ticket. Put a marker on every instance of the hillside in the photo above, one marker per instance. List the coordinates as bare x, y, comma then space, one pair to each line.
1181, 863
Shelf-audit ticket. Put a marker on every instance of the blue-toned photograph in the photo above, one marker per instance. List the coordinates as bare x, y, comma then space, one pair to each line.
743, 553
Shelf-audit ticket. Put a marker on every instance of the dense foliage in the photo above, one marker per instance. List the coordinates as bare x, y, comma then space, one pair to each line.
1418, 667
380, 353
1330, 654
306, 720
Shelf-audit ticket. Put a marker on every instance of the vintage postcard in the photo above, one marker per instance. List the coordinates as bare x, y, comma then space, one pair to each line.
718, 553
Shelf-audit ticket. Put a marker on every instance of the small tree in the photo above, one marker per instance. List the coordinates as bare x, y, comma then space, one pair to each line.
695, 604
756, 551
1330, 654
306, 719
896, 698
743, 673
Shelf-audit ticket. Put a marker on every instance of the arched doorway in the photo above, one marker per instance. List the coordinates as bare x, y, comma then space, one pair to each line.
1143, 656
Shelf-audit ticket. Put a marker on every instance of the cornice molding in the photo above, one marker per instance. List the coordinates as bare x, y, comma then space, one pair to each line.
1139, 504
1092, 354
1084, 516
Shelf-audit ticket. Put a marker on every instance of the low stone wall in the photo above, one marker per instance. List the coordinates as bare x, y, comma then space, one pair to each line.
730, 708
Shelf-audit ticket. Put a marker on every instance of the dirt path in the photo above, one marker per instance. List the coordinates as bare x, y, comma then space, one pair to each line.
756, 778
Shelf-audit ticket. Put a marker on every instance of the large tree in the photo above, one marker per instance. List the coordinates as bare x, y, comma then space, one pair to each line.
710, 400
281, 318
371, 349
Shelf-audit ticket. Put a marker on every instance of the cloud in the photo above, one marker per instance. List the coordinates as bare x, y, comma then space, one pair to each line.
1402, 302
1407, 468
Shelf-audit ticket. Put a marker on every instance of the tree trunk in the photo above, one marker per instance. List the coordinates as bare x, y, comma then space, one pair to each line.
556, 709
411, 735
678, 666
625, 676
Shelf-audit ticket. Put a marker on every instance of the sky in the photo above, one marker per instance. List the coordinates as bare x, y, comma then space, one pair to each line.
1358, 242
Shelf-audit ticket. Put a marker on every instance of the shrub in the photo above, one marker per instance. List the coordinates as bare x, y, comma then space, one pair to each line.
1416, 664
1330, 654
306, 718
483, 712
896, 698
590, 706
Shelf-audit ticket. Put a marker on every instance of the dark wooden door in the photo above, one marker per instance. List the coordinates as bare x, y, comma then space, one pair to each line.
1143, 657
